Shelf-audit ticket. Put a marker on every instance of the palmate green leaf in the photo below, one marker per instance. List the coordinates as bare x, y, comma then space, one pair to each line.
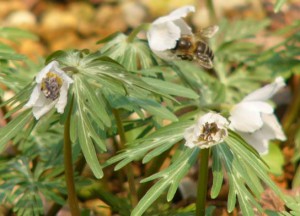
217, 176
253, 160
16, 34
171, 88
29, 205
274, 159
24, 188
293, 203
95, 103
11, 56
14, 127
87, 145
278, 5
236, 51
134, 99
133, 55
236, 182
17, 74
108, 38
245, 169
105, 72
170, 177
120, 101
241, 29
161, 139
18, 100
154, 108
86, 132
6, 49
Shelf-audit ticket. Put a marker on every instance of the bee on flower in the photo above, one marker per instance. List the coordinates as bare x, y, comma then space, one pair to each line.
171, 38
209, 130
51, 90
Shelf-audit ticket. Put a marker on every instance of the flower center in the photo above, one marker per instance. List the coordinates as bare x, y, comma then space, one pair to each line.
51, 85
208, 130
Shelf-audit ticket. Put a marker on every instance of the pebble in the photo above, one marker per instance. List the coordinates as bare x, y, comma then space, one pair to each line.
20, 18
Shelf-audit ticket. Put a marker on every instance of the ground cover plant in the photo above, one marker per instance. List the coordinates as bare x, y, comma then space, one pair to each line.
128, 123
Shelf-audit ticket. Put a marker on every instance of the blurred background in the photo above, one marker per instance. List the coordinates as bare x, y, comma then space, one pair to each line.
79, 24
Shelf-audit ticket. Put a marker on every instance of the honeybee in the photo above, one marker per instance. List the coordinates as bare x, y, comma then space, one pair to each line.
195, 47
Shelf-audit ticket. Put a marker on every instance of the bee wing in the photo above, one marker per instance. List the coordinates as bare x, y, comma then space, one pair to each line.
209, 32
204, 61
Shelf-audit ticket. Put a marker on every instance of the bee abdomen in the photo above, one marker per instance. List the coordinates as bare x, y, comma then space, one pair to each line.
202, 49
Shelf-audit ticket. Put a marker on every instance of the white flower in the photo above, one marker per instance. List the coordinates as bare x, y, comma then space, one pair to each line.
51, 90
254, 120
165, 31
209, 130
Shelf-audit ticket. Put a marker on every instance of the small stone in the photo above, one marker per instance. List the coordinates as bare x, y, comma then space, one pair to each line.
56, 19
21, 18
134, 13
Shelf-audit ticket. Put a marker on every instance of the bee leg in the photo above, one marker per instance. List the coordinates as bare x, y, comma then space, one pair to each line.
186, 57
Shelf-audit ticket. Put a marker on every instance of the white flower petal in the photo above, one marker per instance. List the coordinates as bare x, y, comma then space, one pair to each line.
258, 106
272, 128
266, 92
33, 97
256, 140
62, 74
43, 107
185, 29
63, 98
164, 36
175, 15
209, 130
244, 119
45, 70
165, 31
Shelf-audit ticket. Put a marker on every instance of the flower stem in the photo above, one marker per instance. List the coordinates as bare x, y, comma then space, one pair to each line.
211, 9
292, 112
72, 197
134, 33
129, 167
202, 182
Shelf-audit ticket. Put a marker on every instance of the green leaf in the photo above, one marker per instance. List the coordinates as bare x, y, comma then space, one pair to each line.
15, 34
96, 104
170, 177
87, 146
84, 116
161, 140
217, 176
171, 88
253, 160
133, 55
11, 56
278, 5
108, 38
244, 169
14, 127
154, 108
274, 159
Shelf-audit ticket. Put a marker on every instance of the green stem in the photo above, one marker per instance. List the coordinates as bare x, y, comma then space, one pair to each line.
80, 164
202, 182
72, 197
134, 33
292, 112
211, 9
129, 167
